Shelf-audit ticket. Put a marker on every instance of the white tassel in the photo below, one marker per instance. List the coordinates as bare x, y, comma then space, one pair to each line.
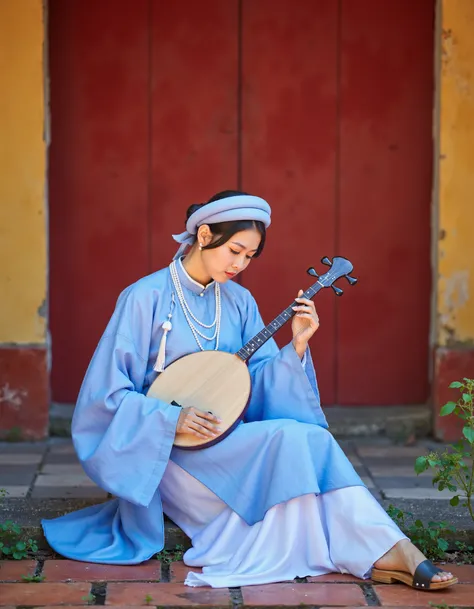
161, 357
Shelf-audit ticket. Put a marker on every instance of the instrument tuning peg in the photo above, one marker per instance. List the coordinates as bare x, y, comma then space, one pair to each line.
337, 290
351, 280
326, 261
312, 272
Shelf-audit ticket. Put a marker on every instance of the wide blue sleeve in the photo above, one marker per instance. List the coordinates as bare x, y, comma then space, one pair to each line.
282, 386
123, 439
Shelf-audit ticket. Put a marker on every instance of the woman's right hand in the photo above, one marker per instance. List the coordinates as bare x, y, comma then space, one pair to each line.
198, 423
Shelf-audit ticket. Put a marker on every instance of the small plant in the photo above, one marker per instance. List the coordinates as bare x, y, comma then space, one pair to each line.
33, 578
169, 556
89, 599
464, 553
148, 599
15, 434
427, 538
452, 472
11, 544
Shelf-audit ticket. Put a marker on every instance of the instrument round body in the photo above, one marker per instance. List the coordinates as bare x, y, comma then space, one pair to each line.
212, 381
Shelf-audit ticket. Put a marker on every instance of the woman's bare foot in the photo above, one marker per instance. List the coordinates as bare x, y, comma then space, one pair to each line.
404, 556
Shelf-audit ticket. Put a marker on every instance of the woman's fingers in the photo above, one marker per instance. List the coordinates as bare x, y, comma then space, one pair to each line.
202, 431
193, 432
303, 308
307, 312
199, 423
196, 430
207, 415
306, 302
306, 309
203, 427
203, 420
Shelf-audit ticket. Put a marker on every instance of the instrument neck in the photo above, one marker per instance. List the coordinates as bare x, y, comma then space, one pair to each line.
264, 335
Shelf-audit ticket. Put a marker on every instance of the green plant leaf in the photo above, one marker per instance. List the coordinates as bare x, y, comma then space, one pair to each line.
454, 500
467, 397
447, 409
456, 385
421, 464
468, 433
443, 544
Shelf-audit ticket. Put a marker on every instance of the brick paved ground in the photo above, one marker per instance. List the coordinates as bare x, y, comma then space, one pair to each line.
41, 473
161, 585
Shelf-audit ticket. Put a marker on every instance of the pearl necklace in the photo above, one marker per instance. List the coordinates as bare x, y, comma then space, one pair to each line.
188, 314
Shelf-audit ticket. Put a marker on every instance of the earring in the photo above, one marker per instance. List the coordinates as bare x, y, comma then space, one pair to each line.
200, 246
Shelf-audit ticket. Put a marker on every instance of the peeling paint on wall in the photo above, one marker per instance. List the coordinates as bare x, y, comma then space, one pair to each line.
451, 65
43, 309
12, 398
446, 47
456, 292
455, 297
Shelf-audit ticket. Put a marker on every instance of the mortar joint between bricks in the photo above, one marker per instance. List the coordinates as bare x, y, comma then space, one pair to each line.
99, 593
39, 566
370, 595
165, 572
236, 598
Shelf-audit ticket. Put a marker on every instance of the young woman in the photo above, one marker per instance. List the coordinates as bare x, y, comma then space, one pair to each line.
275, 499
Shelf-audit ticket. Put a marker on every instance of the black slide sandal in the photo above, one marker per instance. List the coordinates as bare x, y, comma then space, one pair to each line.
420, 581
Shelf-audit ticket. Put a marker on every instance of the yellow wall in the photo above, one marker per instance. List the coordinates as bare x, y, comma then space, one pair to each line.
23, 243
456, 176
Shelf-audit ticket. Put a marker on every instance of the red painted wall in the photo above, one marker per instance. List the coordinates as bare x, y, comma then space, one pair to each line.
327, 113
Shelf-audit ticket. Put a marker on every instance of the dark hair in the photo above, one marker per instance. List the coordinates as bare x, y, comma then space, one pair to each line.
226, 230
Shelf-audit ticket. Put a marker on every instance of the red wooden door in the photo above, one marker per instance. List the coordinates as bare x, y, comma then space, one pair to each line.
289, 130
383, 200
98, 173
193, 108
324, 111
336, 130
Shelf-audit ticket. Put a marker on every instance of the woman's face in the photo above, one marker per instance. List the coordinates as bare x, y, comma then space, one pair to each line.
225, 262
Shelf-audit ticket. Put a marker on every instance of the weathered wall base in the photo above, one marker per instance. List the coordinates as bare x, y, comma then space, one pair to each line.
450, 365
24, 393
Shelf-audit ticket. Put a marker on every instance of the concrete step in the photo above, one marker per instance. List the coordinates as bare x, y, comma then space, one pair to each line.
395, 422
29, 512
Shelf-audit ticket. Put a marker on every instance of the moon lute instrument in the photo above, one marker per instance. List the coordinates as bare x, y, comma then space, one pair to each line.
219, 382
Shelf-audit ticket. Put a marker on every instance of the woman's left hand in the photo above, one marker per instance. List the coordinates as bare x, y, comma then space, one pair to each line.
305, 323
